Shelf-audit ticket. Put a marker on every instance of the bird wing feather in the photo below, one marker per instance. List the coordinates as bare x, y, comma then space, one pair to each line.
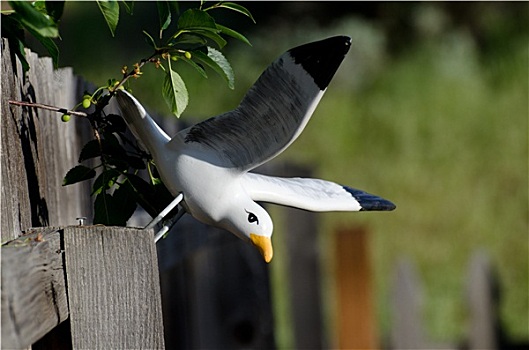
311, 194
274, 111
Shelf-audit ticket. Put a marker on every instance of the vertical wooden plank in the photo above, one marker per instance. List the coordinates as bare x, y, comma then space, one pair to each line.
406, 326
216, 291
33, 288
37, 149
304, 279
482, 304
59, 142
113, 288
233, 296
15, 202
356, 317
303, 269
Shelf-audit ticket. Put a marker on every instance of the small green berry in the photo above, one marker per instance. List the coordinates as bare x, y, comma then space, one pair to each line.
86, 102
188, 55
65, 118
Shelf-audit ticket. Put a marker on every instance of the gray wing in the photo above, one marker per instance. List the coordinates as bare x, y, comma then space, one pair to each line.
276, 108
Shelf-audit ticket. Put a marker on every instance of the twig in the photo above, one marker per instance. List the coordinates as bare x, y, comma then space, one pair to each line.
48, 107
134, 72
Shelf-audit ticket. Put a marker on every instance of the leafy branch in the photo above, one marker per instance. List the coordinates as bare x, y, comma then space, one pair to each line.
193, 37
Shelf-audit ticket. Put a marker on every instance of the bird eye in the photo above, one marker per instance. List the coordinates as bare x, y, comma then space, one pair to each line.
252, 218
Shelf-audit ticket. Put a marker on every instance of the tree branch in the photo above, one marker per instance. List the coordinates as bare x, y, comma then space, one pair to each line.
134, 72
48, 107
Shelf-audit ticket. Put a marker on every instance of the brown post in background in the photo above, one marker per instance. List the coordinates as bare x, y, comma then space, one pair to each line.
356, 316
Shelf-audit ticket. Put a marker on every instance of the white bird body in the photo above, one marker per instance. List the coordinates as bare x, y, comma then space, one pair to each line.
210, 162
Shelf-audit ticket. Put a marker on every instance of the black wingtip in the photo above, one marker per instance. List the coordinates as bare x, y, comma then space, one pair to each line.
321, 59
370, 202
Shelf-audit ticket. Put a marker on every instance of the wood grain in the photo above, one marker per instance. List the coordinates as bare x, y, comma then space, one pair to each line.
113, 288
37, 149
33, 288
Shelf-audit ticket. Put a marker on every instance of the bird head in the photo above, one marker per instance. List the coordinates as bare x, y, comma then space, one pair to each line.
249, 221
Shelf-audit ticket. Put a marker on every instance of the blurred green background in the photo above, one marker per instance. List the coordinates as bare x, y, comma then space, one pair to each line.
429, 110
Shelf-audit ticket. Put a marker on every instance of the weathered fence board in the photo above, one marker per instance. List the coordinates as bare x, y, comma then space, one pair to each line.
37, 149
406, 298
303, 269
481, 300
215, 290
33, 288
123, 311
483, 330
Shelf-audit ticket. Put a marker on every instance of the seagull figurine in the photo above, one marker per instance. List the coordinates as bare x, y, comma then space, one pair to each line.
209, 163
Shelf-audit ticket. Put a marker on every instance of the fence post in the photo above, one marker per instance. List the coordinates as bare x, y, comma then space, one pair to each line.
113, 288
303, 269
406, 326
482, 303
34, 297
356, 320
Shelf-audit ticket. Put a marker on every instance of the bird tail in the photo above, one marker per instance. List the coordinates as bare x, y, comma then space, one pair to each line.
144, 128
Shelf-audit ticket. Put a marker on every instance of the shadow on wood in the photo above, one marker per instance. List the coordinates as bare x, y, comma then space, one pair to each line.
38, 149
34, 297
113, 288
108, 278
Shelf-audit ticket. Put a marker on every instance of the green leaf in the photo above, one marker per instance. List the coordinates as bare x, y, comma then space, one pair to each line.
149, 40
12, 30
144, 194
90, 150
174, 92
77, 174
114, 209
196, 19
103, 209
40, 6
211, 34
164, 14
105, 180
233, 34
236, 7
218, 63
32, 19
111, 145
53, 50
54, 9
128, 5
115, 124
199, 68
188, 42
18, 49
49, 44
110, 10
125, 204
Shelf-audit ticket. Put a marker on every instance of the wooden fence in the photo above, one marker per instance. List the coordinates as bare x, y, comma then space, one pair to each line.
100, 284
96, 287
65, 285
482, 297
103, 280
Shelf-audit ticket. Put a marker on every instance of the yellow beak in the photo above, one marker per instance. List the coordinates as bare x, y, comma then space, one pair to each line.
264, 245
